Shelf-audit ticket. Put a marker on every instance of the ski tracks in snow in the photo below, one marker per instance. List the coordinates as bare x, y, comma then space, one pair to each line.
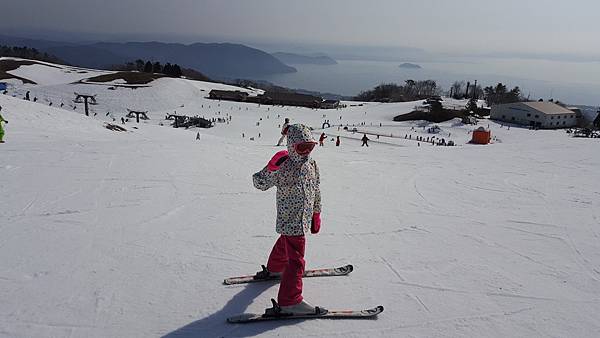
395, 272
392, 268
428, 205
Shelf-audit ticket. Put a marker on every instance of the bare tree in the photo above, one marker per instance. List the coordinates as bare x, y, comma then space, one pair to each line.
457, 89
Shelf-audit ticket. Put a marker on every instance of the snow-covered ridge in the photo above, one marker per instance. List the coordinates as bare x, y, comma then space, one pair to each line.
46, 73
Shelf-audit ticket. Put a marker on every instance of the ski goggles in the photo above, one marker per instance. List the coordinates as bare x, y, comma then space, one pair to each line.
304, 148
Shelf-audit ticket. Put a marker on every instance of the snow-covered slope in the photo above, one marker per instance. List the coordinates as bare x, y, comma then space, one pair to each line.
57, 85
46, 73
130, 234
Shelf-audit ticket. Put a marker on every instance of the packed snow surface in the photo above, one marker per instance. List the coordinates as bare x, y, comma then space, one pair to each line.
130, 234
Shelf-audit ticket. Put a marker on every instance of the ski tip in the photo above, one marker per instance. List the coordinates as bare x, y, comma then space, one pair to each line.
373, 312
229, 281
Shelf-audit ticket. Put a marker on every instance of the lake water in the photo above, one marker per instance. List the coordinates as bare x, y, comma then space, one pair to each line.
571, 82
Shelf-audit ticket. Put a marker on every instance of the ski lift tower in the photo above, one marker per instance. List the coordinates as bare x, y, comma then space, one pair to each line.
85, 98
137, 115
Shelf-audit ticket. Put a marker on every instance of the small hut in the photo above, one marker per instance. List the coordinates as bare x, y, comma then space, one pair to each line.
481, 136
228, 95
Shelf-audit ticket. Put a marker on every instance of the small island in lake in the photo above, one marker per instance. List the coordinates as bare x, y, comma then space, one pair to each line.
299, 59
410, 66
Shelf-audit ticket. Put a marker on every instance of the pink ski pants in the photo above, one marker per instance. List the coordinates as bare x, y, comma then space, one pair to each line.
287, 256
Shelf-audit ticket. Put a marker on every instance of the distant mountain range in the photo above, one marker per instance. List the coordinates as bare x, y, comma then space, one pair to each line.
299, 59
217, 60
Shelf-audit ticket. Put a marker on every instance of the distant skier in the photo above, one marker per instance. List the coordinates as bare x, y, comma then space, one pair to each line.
365, 140
2, 129
337, 141
322, 138
296, 176
284, 130
198, 136
27, 96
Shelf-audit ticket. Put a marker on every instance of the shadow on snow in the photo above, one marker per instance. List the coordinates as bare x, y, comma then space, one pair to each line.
216, 324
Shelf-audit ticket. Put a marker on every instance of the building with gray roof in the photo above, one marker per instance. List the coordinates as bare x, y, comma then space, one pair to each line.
546, 115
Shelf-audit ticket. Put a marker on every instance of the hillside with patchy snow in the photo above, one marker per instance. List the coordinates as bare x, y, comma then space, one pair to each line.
130, 234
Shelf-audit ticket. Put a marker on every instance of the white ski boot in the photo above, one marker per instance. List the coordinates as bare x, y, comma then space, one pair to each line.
302, 308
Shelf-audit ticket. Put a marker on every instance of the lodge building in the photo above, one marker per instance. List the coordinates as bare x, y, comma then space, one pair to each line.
546, 115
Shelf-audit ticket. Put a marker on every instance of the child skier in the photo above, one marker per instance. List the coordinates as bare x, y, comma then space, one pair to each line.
322, 139
284, 130
365, 140
296, 177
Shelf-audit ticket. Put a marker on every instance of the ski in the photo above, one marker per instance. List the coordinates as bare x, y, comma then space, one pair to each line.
327, 272
323, 314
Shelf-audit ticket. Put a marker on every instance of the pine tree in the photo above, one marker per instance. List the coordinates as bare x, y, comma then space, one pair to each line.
168, 69
177, 71
156, 67
500, 90
472, 106
148, 67
139, 65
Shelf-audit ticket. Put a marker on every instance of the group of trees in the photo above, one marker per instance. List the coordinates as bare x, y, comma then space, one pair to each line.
418, 90
140, 65
494, 95
500, 94
168, 69
391, 92
28, 53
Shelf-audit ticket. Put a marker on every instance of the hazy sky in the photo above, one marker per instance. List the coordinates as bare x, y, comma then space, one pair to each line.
456, 26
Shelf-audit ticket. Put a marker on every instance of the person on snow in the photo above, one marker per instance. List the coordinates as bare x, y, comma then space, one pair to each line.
2, 129
296, 176
321, 139
284, 130
337, 141
365, 140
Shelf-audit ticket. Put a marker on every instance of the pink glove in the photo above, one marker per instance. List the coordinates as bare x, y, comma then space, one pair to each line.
316, 223
277, 160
